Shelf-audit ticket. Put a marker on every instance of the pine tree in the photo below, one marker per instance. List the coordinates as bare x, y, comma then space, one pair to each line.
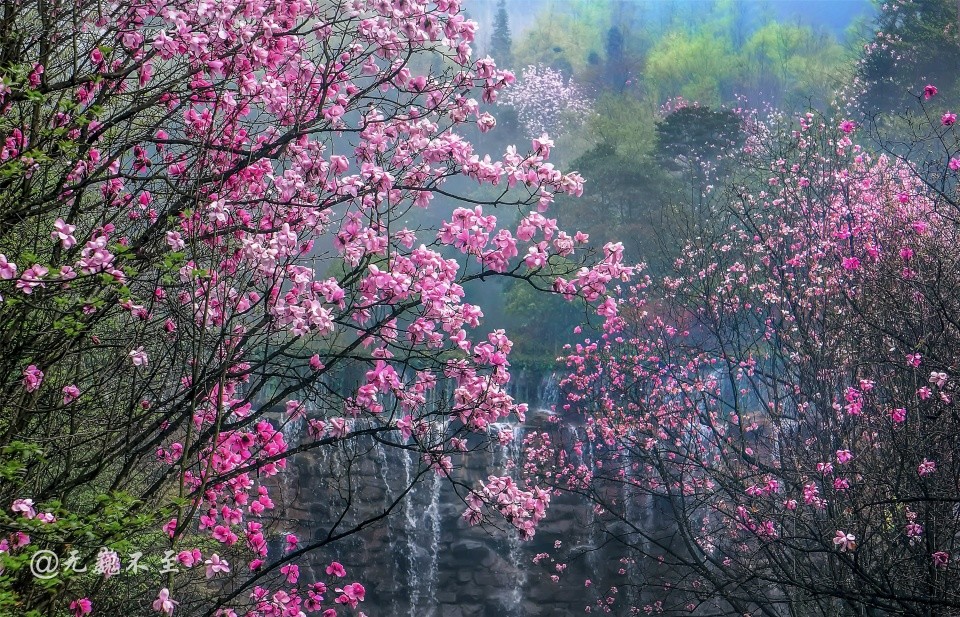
500, 39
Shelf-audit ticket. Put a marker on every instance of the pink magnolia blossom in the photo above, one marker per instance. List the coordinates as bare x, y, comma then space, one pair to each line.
948, 119
8, 270
351, 594
81, 607
24, 507
32, 378
215, 565
336, 569
851, 263
189, 558
845, 541
138, 357
70, 394
929, 91
64, 233
32, 278
164, 604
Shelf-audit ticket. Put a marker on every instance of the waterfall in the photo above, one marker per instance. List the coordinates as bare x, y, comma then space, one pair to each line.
433, 558
419, 553
292, 430
548, 394
515, 553
409, 550
389, 495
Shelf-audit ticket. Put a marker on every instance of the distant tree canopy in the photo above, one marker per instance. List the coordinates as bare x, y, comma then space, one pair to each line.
657, 51
695, 133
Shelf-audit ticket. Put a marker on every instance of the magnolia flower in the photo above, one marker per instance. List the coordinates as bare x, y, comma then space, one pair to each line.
70, 394
163, 603
845, 541
175, 241
64, 233
81, 607
216, 565
24, 506
32, 378
851, 263
352, 594
8, 269
847, 126
138, 356
929, 91
336, 569
941, 559
948, 119
32, 278
926, 467
189, 558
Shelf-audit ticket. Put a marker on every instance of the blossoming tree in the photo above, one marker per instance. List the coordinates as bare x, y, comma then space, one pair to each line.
211, 262
786, 397
546, 101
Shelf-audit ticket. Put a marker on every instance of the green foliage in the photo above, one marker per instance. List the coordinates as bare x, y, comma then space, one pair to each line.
624, 123
695, 65
708, 52
538, 341
564, 35
793, 59
697, 133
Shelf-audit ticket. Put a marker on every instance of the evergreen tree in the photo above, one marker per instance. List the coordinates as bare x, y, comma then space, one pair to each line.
617, 70
500, 39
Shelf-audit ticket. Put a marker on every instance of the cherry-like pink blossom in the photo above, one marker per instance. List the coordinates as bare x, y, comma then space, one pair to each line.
164, 603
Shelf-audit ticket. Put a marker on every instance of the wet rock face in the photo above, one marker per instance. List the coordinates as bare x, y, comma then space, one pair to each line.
423, 560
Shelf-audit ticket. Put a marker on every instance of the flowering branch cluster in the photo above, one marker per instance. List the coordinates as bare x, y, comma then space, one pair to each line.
208, 214
787, 393
547, 102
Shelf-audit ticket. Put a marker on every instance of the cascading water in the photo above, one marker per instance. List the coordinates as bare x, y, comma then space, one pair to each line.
389, 496
515, 554
409, 549
548, 394
419, 550
292, 430
433, 557
415, 532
